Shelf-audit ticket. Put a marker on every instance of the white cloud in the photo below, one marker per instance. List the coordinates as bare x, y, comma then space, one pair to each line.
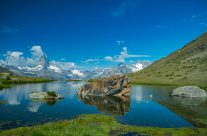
117, 58
36, 51
124, 54
77, 72
63, 65
108, 58
91, 61
14, 58
17, 59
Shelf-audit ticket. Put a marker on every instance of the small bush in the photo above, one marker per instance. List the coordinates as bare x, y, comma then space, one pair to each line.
52, 93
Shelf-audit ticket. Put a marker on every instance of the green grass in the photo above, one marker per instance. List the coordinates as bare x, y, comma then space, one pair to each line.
186, 66
97, 125
2, 86
12, 79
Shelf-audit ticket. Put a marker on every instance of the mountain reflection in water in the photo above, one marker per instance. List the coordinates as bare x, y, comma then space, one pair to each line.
111, 105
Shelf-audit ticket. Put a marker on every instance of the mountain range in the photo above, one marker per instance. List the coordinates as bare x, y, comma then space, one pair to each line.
46, 70
186, 66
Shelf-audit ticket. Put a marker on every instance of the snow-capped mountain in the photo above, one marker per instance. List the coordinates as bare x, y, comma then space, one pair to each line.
46, 69
121, 68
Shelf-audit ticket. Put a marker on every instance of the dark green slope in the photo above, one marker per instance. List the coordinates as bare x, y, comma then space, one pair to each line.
187, 66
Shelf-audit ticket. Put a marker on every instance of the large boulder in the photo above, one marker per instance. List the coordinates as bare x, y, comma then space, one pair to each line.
189, 91
112, 86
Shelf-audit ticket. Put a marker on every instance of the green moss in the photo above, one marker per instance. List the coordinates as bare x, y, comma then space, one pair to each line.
99, 125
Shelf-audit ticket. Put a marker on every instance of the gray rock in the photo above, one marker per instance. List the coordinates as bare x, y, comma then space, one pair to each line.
189, 91
111, 86
44, 95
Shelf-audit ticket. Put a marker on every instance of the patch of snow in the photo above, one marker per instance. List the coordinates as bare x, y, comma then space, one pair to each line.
55, 69
137, 67
37, 68
77, 72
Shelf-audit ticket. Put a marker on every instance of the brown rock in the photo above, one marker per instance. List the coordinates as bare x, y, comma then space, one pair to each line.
111, 86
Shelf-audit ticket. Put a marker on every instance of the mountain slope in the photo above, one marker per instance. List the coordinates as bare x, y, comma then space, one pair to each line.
187, 66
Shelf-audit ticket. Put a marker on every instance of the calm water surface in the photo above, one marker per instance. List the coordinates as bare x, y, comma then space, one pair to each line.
142, 108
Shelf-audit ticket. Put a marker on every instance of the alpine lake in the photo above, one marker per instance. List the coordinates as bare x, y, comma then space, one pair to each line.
148, 105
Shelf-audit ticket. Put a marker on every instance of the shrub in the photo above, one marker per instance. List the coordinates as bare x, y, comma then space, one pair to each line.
52, 93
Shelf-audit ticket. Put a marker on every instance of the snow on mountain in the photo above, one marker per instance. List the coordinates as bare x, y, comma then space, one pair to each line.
77, 73
54, 68
37, 68
137, 67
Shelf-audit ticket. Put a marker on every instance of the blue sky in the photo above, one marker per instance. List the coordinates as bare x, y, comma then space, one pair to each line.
94, 33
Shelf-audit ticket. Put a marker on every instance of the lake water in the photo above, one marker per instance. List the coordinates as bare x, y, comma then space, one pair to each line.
143, 108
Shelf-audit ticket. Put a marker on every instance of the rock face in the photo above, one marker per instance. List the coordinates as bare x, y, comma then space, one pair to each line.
112, 86
189, 91
44, 95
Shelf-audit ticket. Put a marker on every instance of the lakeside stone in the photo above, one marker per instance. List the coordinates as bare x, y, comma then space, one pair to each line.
44, 95
117, 85
189, 91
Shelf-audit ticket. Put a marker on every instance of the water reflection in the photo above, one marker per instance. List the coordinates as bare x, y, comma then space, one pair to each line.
34, 106
18, 110
190, 101
14, 96
112, 105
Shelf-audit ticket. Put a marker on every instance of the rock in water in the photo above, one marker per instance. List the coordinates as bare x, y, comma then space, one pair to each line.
44, 95
189, 91
111, 86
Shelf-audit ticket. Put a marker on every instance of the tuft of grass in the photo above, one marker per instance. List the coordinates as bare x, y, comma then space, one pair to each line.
99, 125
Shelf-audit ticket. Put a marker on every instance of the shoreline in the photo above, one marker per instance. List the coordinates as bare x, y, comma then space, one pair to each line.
90, 124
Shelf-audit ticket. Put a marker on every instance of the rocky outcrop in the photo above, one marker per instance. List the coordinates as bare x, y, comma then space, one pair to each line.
189, 91
111, 86
45, 95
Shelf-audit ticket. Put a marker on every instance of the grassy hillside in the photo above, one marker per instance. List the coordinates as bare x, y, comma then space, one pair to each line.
187, 66
99, 125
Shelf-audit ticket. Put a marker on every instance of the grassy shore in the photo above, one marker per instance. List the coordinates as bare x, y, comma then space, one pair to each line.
99, 125
141, 82
9, 80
